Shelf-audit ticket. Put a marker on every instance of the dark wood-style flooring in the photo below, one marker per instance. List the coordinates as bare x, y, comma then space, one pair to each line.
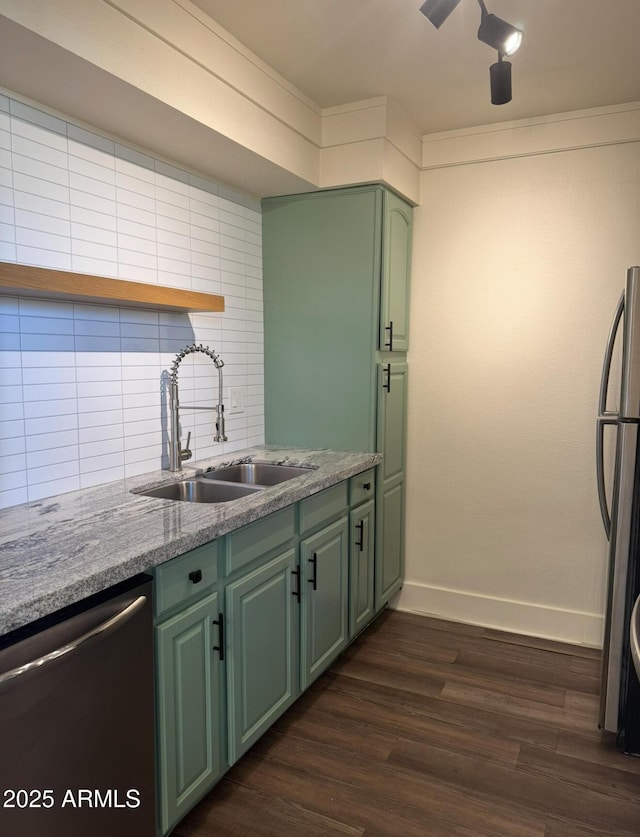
431, 728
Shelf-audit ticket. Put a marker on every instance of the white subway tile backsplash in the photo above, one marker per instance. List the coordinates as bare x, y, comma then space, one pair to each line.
52, 408
16, 479
59, 483
91, 343
90, 464
12, 447
11, 425
11, 463
46, 342
101, 476
55, 425
83, 388
100, 418
44, 442
8, 251
13, 497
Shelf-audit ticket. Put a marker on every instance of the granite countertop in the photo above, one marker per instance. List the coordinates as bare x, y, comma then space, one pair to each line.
56, 551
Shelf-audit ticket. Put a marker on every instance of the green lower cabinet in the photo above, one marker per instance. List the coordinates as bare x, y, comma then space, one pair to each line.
390, 559
262, 651
361, 566
189, 704
324, 598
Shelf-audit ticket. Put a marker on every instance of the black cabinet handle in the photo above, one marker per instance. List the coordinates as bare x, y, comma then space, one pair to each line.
367, 486
296, 591
387, 384
389, 343
220, 648
360, 543
195, 576
314, 578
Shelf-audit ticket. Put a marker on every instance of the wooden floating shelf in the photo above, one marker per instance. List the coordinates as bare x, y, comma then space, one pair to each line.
23, 280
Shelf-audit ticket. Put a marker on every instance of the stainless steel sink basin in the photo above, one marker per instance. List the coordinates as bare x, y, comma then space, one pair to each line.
199, 491
257, 473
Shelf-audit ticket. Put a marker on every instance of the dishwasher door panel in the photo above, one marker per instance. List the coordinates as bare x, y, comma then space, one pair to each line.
77, 728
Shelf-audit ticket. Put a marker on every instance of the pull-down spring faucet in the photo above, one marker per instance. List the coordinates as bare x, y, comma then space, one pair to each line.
177, 454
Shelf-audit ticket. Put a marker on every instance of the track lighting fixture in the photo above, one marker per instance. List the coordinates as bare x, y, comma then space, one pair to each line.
437, 11
497, 33
493, 31
500, 76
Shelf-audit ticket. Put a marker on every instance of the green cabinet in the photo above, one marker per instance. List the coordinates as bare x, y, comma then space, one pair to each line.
394, 316
336, 313
262, 670
361, 567
324, 599
189, 697
392, 409
245, 623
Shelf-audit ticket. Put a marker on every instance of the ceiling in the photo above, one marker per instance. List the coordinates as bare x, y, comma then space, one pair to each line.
575, 54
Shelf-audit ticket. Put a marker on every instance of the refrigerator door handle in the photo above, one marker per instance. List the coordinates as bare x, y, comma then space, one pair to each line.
608, 356
635, 638
602, 491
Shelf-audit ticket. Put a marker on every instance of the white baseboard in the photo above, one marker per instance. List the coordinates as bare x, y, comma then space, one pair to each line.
502, 614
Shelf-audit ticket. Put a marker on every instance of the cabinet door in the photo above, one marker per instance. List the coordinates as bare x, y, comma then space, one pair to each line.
361, 567
324, 576
321, 311
392, 407
390, 552
262, 650
189, 715
392, 419
396, 268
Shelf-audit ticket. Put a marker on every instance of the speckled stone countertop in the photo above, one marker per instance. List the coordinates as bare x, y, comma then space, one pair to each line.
56, 551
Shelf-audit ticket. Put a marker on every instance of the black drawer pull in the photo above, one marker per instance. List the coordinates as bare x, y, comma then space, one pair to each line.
220, 623
314, 579
389, 328
367, 486
296, 592
195, 576
387, 384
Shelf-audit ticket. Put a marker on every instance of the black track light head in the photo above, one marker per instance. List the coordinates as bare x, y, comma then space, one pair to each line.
499, 34
437, 11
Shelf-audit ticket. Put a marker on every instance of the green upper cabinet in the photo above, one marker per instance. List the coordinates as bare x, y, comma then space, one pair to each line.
336, 268
396, 268
321, 253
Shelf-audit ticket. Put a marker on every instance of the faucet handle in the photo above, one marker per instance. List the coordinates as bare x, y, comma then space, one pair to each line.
185, 453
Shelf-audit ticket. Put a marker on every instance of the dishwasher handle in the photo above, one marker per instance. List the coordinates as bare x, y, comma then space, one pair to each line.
635, 639
107, 626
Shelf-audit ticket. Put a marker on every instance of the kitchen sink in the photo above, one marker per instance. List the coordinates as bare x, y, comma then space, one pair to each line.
256, 473
199, 491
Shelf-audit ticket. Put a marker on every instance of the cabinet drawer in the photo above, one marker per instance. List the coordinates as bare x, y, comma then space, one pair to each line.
315, 510
185, 579
259, 538
362, 487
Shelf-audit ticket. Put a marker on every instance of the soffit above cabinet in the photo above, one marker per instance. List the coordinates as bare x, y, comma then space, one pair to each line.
23, 280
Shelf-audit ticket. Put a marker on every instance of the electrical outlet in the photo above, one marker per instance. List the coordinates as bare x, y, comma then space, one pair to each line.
236, 400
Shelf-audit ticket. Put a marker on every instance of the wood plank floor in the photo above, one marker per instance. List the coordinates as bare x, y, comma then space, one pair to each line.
425, 727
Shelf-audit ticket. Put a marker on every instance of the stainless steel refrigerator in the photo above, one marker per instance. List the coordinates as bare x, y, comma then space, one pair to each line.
620, 508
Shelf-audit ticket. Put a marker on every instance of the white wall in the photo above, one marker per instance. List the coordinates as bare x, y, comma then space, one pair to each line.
82, 387
518, 264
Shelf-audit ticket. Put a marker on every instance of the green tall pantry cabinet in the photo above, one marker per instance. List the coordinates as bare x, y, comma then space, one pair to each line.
336, 312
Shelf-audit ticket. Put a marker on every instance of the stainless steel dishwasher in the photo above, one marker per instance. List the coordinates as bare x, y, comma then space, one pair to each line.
77, 720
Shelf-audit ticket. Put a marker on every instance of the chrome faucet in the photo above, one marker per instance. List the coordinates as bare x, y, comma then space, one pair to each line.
178, 454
